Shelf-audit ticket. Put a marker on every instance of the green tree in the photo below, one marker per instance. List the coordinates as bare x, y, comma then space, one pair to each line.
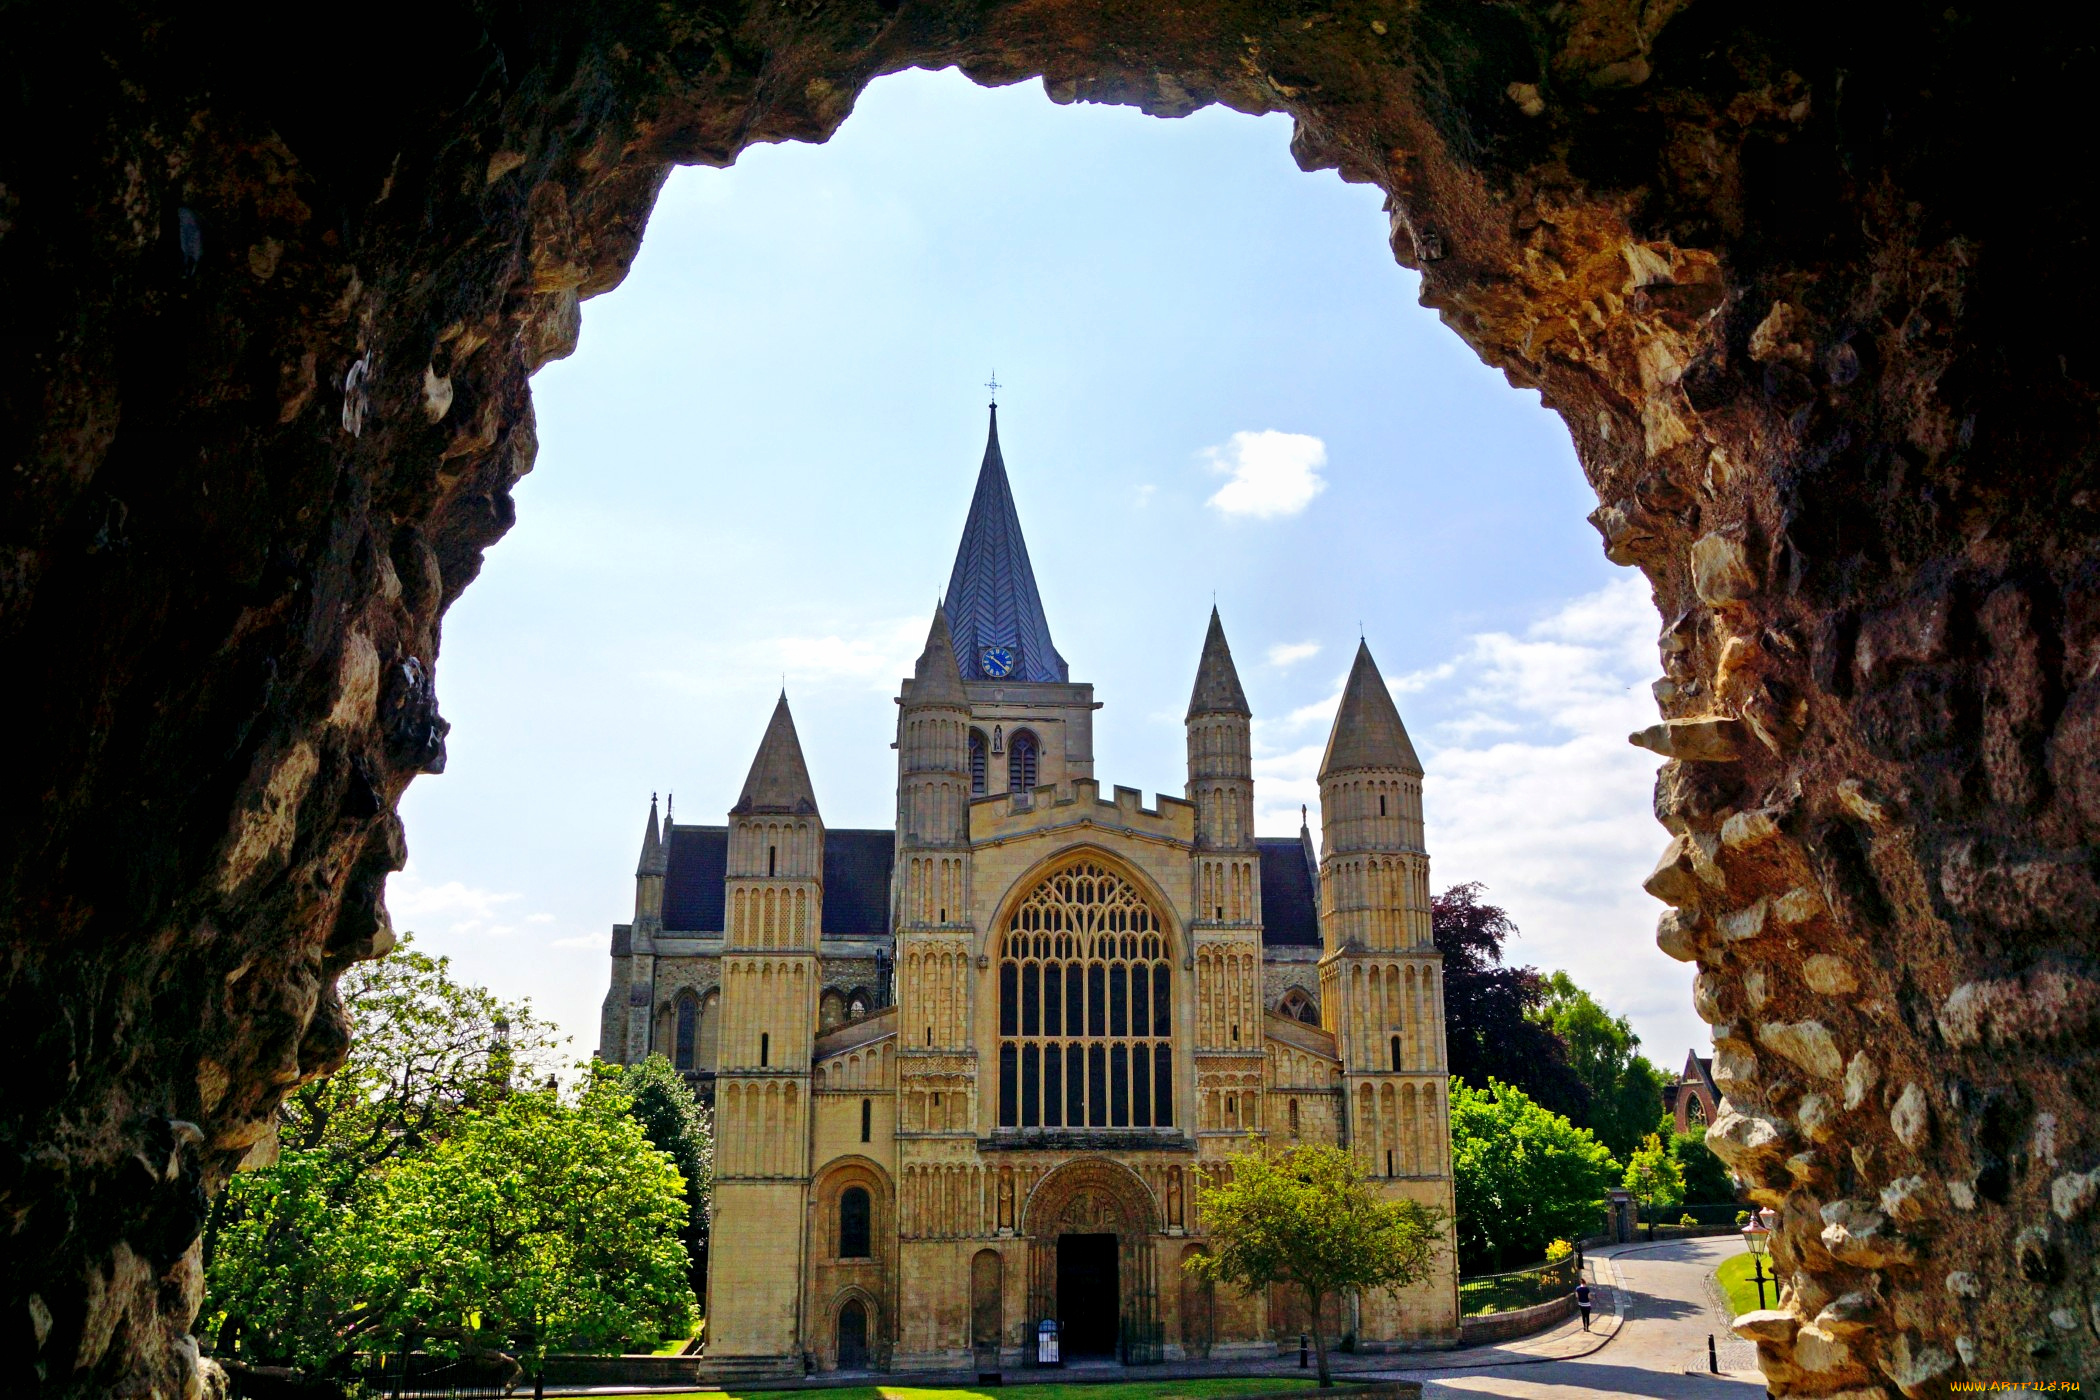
1653, 1177
1307, 1219
1625, 1088
683, 1130
1706, 1178
287, 1248
1523, 1176
539, 1225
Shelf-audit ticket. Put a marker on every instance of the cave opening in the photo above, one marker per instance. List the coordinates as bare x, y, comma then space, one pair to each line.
1807, 287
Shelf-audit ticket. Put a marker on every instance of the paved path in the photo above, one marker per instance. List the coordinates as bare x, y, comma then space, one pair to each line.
1655, 1313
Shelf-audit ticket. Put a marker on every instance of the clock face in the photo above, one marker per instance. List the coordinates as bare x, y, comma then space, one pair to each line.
998, 662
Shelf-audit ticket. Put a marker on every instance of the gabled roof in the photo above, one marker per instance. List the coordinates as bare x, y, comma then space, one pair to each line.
1217, 690
779, 779
992, 599
1367, 730
856, 881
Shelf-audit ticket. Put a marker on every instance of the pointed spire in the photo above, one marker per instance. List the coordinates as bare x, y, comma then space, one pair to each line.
653, 861
935, 680
992, 599
1217, 689
1367, 729
779, 779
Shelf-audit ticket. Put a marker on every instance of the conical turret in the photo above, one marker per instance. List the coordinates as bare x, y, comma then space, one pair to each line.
653, 860
935, 679
1217, 689
1367, 730
779, 778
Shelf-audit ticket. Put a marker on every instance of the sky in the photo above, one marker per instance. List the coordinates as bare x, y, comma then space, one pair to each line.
1216, 386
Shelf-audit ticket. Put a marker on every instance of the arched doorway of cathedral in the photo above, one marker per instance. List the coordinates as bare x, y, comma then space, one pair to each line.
852, 1327
1090, 1225
1199, 1308
852, 1257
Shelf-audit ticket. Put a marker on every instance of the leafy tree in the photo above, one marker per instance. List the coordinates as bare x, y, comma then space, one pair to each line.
1653, 1178
1706, 1179
683, 1130
1309, 1220
539, 1225
1490, 1027
1523, 1175
286, 1248
1623, 1087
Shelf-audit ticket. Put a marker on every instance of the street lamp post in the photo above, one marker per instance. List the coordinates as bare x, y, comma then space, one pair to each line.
1757, 1235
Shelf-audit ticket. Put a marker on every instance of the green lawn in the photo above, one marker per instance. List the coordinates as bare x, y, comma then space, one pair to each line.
1109, 1390
1741, 1289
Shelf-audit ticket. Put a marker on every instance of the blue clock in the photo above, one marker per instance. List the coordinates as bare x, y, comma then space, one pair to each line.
998, 662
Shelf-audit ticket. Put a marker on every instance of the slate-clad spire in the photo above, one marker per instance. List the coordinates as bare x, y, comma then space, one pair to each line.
992, 600
1217, 689
1367, 729
779, 779
935, 680
652, 845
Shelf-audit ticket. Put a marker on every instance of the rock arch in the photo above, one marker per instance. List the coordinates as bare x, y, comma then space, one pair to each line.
1807, 292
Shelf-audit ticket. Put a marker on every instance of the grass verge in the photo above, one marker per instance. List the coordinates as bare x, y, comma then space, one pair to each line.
1741, 1288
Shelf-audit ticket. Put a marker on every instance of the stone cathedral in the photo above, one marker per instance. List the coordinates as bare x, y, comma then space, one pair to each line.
967, 1073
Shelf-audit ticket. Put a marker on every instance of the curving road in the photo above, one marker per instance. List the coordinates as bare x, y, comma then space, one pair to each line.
1658, 1350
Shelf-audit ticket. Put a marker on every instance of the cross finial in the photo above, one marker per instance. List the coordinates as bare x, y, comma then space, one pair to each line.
993, 385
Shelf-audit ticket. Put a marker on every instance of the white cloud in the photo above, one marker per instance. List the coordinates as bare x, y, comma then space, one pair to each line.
1272, 473
1142, 497
1287, 654
1532, 790
581, 940
450, 909
870, 657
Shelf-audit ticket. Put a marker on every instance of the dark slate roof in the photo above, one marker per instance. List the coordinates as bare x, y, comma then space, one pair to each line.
1290, 893
856, 880
698, 858
991, 593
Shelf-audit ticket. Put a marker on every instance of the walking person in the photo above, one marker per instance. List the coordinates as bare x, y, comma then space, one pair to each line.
1582, 1300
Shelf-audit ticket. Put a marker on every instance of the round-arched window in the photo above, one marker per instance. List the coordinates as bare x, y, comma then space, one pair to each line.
853, 1223
1086, 1004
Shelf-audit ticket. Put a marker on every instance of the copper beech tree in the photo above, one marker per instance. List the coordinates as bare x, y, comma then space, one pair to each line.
1307, 1219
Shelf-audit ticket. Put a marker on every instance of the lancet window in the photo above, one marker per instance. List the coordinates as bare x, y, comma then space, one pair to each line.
1085, 1007
1021, 762
977, 763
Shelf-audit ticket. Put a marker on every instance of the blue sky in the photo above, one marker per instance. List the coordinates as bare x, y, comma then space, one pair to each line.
1217, 383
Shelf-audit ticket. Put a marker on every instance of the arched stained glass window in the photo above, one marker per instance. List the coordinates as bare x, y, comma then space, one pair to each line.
1085, 1006
977, 762
688, 1026
1021, 762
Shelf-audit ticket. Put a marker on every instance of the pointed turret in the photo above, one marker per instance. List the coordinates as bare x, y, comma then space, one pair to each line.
653, 860
779, 779
935, 679
1217, 689
1367, 730
996, 615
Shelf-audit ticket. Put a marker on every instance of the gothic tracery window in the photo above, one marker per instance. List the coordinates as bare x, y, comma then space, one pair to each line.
1021, 762
1085, 1007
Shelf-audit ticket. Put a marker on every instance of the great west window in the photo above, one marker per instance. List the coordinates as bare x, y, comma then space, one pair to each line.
1085, 1007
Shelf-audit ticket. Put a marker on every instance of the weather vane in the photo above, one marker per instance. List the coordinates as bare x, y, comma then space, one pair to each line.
993, 385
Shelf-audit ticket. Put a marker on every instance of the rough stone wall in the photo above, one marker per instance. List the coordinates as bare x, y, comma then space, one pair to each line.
1808, 283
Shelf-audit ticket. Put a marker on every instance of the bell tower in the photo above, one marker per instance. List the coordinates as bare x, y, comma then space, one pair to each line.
773, 911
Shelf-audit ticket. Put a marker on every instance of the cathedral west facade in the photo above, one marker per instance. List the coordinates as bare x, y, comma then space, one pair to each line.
967, 1073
